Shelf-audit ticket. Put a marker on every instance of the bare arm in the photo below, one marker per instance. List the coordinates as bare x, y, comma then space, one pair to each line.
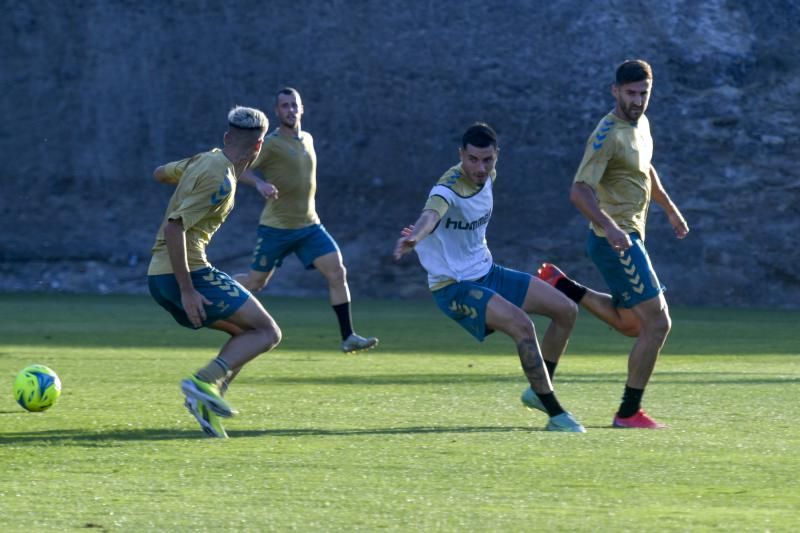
192, 301
660, 196
411, 235
266, 189
583, 198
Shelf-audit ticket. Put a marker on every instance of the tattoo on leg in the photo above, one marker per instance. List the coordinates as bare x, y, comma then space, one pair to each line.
533, 364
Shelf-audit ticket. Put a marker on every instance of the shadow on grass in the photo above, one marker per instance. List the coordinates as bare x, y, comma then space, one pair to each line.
57, 321
76, 437
688, 378
386, 379
701, 378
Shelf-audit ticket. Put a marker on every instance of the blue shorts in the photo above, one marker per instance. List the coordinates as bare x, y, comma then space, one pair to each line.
274, 244
630, 276
465, 302
224, 293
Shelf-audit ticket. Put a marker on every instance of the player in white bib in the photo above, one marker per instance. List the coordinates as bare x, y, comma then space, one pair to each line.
450, 240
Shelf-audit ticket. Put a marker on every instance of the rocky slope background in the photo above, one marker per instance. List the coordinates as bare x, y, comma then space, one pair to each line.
95, 94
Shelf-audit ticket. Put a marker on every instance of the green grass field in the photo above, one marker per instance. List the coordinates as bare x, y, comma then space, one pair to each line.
426, 433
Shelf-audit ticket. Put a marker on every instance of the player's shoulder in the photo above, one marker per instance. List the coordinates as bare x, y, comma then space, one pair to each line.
270, 145
456, 182
451, 180
214, 159
270, 138
451, 176
211, 165
308, 141
606, 130
200, 156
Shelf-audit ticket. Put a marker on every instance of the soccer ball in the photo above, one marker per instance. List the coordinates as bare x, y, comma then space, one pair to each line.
37, 388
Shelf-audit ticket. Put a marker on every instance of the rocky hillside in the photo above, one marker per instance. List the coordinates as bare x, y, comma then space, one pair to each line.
97, 93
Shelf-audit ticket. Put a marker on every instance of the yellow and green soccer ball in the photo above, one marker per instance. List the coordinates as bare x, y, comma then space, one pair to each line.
37, 388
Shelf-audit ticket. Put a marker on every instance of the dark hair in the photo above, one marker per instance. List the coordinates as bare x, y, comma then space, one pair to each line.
633, 70
479, 135
286, 91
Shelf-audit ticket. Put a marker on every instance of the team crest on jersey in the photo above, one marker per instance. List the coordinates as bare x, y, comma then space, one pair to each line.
476, 293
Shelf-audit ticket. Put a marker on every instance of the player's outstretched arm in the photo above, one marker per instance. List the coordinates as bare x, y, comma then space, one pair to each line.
660, 196
264, 188
411, 235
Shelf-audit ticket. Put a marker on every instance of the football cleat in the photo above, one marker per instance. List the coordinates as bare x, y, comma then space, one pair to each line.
208, 394
530, 400
208, 420
550, 273
356, 343
564, 422
640, 420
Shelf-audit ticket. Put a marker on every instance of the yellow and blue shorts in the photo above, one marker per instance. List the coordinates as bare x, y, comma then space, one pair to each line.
224, 293
630, 277
466, 301
274, 244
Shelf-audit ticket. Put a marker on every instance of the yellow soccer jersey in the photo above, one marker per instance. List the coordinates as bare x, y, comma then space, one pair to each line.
202, 200
616, 164
174, 170
290, 164
454, 179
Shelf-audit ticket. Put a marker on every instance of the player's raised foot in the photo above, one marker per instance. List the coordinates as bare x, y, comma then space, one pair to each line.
531, 401
640, 420
208, 394
357, 343
550, 273
565, 422
209, 422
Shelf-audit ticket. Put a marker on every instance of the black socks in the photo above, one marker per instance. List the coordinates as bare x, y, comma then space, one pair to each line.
345, 320
551, 368
550, 403
571, 289
631, 402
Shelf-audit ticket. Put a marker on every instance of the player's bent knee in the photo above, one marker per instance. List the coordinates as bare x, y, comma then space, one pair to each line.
337, 276
568, 314
520, 327
272, 337
659, 327
665, 325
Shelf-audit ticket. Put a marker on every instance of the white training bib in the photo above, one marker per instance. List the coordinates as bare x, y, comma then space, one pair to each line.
456, 249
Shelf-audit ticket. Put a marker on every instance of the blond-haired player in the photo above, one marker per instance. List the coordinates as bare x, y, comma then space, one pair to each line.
184, 283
